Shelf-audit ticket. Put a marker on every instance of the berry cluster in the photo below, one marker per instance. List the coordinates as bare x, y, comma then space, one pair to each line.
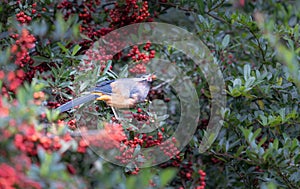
20, 49
84, 9
127, 147
23, 18
85, 16
12, 80
29, 140
169, 148
23, 44
141, 116
72, 124
127, 152
100, 56
108, 138
33, 6
93, 34
102, 51
129, 13
158, 94
52, 105
138, 56
13, 178
82, 145
140, 59
187, 173
202, 175
67, 7
4, 109
38, 97
151, 140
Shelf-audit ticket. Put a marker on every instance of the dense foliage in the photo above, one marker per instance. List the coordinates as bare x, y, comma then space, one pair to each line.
256, 44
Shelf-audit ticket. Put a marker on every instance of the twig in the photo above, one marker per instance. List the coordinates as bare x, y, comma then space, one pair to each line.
163, 83
259, 44
217, 18
217, 6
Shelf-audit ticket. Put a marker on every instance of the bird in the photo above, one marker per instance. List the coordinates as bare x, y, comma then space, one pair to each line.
118, 93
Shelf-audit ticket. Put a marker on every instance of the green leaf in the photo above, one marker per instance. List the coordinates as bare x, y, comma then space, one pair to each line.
239, 151
131, 182
201, 6
225, 41
235, 92
275, 144
282, 115
63, 48
124, 72
108, 64
38, 60
295, 145
76, 49
249, 82
85, 37
270, 185
246, 132
21, 96
247, 71
166, 176
297, 159
237, 82
137, 150
264, 120
256, 133
84, 85
262, 141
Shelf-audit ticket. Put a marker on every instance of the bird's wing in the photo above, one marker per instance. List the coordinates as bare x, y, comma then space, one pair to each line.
104, 87
77, 101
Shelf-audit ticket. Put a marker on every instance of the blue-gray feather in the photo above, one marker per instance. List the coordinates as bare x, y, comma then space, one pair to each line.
104, 87
77, 101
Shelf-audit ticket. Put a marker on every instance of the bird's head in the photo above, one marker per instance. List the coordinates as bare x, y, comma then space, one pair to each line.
147, 77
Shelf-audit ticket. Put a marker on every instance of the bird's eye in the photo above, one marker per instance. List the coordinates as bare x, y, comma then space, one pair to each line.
149, 79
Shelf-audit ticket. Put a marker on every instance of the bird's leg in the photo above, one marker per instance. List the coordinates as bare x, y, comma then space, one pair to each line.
115, 113
107, 99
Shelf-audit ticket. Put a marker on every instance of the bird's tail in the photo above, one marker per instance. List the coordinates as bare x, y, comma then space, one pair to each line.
77, 101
